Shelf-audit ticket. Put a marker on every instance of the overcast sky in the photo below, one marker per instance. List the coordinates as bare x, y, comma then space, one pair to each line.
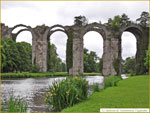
63, 12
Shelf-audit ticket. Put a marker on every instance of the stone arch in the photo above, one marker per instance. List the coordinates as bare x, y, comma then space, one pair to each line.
20, 25
78, 47
14, 35
97, 41
57, 28
27, 28
50, 30
136, 30
101, 29
34, 43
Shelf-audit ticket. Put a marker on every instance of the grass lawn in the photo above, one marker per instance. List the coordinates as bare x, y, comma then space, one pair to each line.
46, 74
129, 93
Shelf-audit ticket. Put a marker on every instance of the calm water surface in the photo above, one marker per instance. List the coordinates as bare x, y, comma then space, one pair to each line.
33, 90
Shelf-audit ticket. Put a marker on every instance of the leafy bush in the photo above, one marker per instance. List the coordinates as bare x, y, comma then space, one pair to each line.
66, 93
35, 69
96, 87
111, 81
15, 105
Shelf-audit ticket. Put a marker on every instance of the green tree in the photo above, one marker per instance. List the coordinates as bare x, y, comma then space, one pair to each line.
54, 62
147, 62
90, 61
118, 21
144, 18
69, 54
10, 56
25, 51
124, 19
129, 65
99, 67
80, 20
3, 57
64, 67
114, 23
52, 58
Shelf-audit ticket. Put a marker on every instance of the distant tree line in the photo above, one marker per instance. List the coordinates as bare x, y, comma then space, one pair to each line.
17, 57
92, 63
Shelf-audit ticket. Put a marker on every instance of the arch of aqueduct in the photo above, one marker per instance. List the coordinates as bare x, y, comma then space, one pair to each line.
111, 44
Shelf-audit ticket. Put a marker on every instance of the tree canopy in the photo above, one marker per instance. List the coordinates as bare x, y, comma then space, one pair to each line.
17, 57
92, 63
144, 18
80, 20
129, 65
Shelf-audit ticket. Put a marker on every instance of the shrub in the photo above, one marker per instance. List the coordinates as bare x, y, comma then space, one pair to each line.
111, 81
15, 105
35, 69
96, 87
66, 93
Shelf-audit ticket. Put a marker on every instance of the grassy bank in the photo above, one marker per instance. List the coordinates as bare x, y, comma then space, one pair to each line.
48, 74
130, 93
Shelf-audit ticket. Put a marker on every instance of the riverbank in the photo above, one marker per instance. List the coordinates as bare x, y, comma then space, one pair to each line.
47, 74
129, 93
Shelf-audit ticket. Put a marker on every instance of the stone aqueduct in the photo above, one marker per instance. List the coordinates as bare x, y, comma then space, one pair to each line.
111, 44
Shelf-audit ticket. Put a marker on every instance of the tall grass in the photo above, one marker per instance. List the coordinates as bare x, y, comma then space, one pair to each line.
129, 93
66, 93
111, 81
96, 87
15, 105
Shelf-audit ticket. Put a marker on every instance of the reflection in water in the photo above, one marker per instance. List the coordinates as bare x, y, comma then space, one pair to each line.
34, 89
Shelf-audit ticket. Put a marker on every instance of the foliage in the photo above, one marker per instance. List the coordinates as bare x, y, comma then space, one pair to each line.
10, 56
66, 93
54, 62
111, 81
96, 87
144, 19
124, 19
143, 46
15, 105
100, 65
90, 62
80, 20
25, 52
116, 64
118, 21
15, 56
129, 65
46, 74
114, 23
129, 93
147, 60
69, 53
27, 74
91, 74
35, 69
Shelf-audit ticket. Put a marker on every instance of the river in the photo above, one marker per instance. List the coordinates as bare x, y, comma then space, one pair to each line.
33, 90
